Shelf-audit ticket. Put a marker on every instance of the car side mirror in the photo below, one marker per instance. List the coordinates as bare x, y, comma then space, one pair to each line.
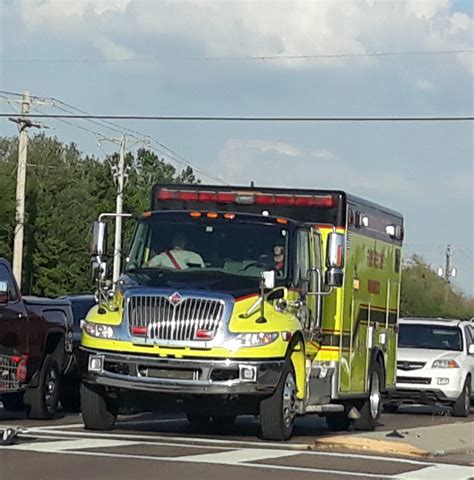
3, 292
99, 239
470, 349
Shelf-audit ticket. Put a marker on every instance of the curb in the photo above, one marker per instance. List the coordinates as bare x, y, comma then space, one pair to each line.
369, 444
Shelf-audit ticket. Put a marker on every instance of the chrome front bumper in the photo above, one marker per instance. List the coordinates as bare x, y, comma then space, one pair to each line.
181, 376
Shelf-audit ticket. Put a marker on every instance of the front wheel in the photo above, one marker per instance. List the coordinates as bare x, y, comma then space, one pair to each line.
462, 406
42, 401
97, 413
277, 412
371, 407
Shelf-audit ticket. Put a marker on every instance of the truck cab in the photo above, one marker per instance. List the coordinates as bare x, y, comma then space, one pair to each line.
224, 311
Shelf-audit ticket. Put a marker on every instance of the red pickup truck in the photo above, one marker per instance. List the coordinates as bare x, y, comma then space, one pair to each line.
35, 348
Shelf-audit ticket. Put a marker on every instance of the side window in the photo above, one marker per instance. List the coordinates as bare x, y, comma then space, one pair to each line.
7, 277
469, 335
302, 255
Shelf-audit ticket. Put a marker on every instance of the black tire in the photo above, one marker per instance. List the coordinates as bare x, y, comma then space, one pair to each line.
390, 408
13, 402
97, 413
462, 406
42, 401
198, 419
371, 407
277, 412
338, 422
223, 420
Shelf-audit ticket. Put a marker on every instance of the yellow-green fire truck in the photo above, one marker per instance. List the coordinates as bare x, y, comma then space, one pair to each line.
243, 300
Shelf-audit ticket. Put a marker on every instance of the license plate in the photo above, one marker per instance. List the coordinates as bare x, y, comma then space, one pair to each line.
173, 374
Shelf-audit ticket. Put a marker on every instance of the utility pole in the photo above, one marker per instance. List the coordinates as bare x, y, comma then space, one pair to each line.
447, 267
23, 125
120, 173
119, 211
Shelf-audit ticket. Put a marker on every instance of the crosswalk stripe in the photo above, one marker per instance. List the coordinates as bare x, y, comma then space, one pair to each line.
238, 456
65, 445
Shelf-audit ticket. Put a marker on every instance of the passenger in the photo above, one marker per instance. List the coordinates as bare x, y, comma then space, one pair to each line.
177, 258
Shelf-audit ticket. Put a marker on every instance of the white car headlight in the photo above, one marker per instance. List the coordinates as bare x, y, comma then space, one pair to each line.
445, 364
256, 339
98, 330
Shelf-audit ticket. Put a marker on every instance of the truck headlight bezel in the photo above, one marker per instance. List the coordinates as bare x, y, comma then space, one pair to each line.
99, 330
256, 339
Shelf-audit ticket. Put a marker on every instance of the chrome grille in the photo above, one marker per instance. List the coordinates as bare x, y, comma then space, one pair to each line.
167, 319
8, 378
407, 365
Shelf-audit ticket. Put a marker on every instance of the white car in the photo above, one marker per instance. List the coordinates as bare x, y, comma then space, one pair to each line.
435, 364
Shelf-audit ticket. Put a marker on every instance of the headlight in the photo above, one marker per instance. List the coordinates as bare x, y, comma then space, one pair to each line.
256, 339
98, 330
445, 364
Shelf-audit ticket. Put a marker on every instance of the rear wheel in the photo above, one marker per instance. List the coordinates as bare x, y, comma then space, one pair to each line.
277, 412
97, 413
371, 407
338, 422
462, 406
13, 401
42, 401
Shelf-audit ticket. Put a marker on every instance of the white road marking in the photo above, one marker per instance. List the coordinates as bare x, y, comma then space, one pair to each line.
440, 472
235, 457
65, 445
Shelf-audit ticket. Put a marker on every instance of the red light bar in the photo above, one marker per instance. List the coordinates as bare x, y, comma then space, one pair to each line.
207, 197
142, 331
248, 198
225, 197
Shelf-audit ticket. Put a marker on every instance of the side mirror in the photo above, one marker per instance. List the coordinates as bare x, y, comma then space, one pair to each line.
335, 253
470, 349
3, 292
99, 239
268, 279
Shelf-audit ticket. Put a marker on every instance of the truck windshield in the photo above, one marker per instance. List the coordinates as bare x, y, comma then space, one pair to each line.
434, 337
195, 247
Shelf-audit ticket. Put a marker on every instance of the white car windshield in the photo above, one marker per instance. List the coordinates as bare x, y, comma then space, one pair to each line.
433, 337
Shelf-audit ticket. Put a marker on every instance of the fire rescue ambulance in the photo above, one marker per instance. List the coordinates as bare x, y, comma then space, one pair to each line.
243, 300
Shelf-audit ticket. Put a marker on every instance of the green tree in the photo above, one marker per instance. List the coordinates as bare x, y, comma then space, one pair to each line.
424, 294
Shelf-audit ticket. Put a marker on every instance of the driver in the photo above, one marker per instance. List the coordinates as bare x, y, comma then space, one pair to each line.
177, 258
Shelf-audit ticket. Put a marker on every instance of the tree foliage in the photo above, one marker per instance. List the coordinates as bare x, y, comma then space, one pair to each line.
424, 294
65, 193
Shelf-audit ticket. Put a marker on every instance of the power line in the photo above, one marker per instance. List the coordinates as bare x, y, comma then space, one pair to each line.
210, 118
265, 58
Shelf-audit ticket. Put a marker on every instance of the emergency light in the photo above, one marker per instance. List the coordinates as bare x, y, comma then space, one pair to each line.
321, 201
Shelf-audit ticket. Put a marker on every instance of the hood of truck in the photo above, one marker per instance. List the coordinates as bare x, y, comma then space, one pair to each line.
212, 282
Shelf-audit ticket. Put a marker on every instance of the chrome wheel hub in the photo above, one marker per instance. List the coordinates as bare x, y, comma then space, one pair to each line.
375, 396
289, 400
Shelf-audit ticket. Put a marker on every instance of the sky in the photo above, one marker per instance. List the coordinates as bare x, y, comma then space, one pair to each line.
191, 57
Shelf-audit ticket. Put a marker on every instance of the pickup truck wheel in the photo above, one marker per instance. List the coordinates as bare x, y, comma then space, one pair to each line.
42, 401
97, 413
13, 401
371, 407
277, 412
462, 406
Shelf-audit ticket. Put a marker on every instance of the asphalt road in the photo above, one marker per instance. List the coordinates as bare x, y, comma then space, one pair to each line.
151, 446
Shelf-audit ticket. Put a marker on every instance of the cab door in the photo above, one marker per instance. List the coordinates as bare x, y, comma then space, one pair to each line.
13, 316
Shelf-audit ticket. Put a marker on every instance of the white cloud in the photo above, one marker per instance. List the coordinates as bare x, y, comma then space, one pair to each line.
242, 161
282, 27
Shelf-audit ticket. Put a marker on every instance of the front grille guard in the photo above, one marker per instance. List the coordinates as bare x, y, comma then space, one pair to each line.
8, 377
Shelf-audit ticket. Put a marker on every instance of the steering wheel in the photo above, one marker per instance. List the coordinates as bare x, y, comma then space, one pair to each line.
254, 264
